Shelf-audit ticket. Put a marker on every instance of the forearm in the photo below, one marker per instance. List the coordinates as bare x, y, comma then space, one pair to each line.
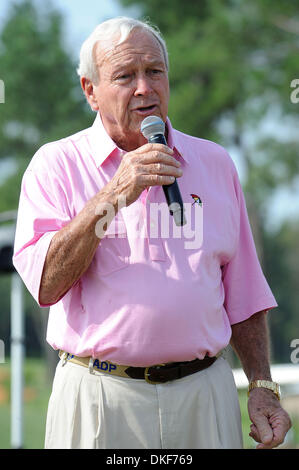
250, 340
73, 247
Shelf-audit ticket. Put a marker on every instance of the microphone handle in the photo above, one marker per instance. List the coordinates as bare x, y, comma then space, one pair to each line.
171, 191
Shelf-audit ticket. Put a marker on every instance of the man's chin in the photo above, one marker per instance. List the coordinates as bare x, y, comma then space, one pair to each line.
130, 139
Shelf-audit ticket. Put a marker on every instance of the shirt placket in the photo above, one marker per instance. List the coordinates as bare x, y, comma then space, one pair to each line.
153, 238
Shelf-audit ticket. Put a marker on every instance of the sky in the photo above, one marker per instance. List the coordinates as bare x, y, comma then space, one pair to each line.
80, 19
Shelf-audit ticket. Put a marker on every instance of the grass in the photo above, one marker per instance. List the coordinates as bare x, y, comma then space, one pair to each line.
37, 389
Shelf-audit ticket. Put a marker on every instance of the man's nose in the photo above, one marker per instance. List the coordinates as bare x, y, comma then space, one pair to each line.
143, 86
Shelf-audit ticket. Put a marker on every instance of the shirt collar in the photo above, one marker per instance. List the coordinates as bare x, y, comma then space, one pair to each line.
175, 142
103, 146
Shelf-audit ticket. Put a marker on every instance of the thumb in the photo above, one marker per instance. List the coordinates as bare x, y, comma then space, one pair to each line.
264, 429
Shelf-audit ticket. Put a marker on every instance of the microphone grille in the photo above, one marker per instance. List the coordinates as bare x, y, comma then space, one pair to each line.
152, 125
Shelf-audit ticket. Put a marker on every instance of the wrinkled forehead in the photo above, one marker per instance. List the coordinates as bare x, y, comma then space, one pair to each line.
138, 43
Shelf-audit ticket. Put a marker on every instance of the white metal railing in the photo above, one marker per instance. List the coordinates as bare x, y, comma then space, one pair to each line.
284, 374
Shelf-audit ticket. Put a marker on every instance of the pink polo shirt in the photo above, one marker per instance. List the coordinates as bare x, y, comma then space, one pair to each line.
152, 294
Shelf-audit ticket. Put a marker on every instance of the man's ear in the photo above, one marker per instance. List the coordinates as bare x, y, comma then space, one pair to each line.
88, 90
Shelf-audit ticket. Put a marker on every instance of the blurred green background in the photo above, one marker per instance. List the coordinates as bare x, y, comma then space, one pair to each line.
233, 71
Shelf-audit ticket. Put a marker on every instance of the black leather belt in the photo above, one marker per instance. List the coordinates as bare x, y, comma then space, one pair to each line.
166, 372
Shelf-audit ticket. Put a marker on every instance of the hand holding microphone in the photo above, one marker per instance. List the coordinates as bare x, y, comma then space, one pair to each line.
151, 164
153, 128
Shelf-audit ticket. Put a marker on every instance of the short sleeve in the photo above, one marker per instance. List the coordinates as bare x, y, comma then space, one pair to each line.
246, 289
42, 212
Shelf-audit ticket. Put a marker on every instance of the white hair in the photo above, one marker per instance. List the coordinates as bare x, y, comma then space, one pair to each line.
106, 32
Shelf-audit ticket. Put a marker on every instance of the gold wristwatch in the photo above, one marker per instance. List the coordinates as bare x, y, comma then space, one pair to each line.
273, 386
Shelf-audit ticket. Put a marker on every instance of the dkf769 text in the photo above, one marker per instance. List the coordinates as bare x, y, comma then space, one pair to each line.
171, 459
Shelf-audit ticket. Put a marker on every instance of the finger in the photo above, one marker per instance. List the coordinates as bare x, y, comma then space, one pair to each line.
155, 156
264, 429
254, 433
271, 445
154, 147
163, 169
280, 423
162, 164
134, 159
276, 441
157, 180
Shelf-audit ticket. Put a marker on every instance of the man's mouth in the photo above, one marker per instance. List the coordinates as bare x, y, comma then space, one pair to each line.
145, 109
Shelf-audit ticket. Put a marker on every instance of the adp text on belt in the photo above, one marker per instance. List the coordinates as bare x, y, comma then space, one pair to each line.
156, 374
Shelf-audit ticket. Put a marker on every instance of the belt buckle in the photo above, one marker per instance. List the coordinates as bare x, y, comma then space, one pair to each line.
147, 374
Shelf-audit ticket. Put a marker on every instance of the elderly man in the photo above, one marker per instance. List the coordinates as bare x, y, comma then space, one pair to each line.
140, 319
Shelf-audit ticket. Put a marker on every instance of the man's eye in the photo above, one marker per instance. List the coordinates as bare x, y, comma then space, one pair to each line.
155, 71
124, 76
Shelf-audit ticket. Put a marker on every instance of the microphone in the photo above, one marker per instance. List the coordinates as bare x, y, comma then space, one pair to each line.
153, 128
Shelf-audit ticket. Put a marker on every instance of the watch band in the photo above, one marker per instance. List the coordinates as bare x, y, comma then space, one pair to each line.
273, 386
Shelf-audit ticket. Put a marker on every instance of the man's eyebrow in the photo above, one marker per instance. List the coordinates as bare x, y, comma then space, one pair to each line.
131, 63
157, 62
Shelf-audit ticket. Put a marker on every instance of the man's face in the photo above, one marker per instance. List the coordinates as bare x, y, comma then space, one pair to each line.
133, 84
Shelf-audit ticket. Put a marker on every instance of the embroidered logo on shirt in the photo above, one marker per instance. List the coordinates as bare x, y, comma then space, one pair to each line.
197, 199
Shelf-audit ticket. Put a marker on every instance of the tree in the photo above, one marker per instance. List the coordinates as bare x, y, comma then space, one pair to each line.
43, 101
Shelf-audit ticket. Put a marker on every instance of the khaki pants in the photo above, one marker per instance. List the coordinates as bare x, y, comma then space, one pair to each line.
100, 411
